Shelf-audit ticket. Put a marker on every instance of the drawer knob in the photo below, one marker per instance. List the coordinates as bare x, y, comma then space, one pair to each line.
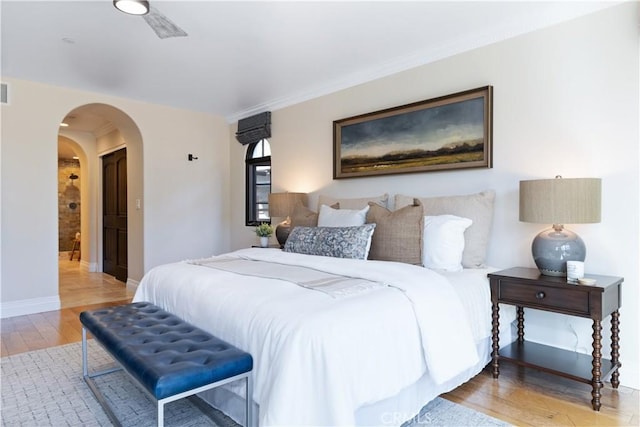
540, 295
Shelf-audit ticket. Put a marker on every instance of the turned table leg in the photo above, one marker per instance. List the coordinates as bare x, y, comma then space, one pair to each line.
615, 348
495, 322
596, 372
520, 313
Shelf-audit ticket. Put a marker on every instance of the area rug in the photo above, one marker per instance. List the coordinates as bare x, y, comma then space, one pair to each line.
45, 388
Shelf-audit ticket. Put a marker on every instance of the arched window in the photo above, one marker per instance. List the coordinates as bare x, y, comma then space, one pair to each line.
258, 181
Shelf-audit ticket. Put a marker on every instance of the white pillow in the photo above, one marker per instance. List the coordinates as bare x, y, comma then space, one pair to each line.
477, 207
329, 217
443, 241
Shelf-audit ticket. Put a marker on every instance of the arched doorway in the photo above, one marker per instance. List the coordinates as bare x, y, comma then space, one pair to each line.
69, 195
95, 130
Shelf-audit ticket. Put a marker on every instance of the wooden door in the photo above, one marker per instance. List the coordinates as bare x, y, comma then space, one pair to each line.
114, 214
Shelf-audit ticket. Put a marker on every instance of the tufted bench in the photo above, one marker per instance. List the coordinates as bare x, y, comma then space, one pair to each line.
167, 356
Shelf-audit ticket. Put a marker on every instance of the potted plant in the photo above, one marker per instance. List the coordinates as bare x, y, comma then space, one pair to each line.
264, 231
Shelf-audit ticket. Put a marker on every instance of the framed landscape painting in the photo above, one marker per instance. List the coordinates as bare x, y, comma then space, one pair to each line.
449, 132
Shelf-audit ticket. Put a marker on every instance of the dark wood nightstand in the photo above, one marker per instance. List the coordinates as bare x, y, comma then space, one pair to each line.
526, 287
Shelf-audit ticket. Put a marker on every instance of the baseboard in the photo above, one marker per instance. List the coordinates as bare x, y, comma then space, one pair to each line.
630, 373
132, 285
29, 306
90, 267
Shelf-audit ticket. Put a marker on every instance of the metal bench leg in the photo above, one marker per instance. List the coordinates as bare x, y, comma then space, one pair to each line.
88, 378
85, 368
160, 414
249, 396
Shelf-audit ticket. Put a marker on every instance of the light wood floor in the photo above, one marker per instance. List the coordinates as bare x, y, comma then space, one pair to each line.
523, 397
527, 397
78, 287
79, 290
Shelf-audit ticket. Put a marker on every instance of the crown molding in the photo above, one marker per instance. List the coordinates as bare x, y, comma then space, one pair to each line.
420, 58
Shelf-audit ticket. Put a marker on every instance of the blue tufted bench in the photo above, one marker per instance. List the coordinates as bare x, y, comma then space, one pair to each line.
167, 356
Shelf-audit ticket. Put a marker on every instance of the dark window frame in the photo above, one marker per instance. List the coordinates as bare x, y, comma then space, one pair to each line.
251, 190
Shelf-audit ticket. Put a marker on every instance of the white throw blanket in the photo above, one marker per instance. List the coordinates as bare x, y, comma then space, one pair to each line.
317, 359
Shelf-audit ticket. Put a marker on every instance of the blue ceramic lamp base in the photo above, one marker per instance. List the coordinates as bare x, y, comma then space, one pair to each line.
552, 248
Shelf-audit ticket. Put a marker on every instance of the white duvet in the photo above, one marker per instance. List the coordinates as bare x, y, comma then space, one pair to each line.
318, 358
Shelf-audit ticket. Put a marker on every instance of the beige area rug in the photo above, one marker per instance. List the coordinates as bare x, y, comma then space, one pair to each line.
45, 388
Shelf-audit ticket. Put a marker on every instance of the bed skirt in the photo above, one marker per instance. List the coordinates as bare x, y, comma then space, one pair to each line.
394, 410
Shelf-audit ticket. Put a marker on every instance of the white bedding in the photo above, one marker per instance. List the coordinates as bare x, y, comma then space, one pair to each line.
317, 359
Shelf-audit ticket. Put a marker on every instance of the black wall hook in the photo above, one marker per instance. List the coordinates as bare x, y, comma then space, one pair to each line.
191, 157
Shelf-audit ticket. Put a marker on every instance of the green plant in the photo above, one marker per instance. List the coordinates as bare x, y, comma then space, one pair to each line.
264, 229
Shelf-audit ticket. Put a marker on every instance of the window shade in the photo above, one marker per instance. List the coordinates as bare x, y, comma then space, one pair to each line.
254, 128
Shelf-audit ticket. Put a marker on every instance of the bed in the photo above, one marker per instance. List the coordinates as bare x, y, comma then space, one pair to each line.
336, 341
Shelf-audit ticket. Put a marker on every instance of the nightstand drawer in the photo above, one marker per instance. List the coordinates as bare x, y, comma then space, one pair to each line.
547, 297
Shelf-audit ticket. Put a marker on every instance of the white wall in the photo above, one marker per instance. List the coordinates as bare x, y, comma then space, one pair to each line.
184, 206
565, 102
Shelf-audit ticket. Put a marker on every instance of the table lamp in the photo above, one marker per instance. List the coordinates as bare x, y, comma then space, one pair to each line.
559, 201
281, 205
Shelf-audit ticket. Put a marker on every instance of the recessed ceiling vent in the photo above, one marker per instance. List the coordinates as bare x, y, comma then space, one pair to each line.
4, 93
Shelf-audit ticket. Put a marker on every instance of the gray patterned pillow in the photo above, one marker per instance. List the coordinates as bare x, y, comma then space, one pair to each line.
337, 242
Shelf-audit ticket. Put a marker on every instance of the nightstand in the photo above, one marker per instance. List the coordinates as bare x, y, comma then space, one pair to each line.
526, 287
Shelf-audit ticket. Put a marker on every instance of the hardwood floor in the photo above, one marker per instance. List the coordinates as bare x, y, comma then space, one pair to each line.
523, 397
78, 287
528, 397
41, 330
79, 290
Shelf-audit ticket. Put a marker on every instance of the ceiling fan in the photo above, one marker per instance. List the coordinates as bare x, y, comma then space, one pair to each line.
160, 24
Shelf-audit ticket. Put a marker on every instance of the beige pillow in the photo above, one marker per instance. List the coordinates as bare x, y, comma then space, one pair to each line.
302, 216
398, 234
356, 204
477, 207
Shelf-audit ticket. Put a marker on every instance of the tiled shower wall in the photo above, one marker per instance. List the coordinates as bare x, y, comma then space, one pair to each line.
68, 203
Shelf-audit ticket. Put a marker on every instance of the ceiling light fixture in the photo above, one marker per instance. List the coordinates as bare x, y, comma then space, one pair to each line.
64, 125
132, 7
